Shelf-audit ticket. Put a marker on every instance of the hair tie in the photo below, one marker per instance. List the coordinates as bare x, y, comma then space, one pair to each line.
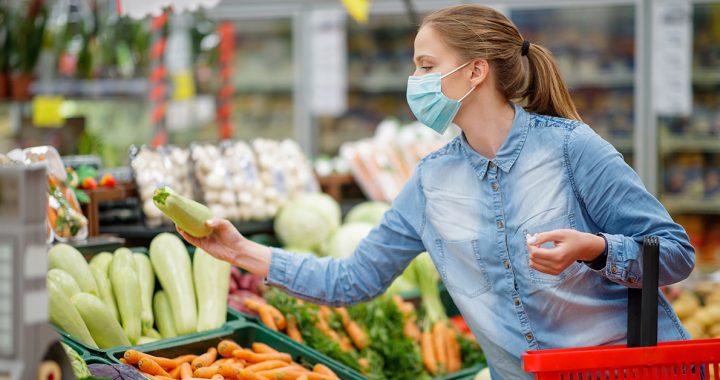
525, 48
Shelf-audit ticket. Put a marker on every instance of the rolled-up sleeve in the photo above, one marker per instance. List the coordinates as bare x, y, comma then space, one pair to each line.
624, 211
376, 262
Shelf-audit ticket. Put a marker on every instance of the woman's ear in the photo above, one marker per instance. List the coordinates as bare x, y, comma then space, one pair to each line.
480, 71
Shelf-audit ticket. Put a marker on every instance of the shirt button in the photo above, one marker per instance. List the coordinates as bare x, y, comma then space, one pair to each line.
529, 337
500, 224
632, 280
516, 301
492, 165
495, 186
613, 269
507, 264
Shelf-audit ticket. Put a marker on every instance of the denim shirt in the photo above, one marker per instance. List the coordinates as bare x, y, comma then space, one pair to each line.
472, 214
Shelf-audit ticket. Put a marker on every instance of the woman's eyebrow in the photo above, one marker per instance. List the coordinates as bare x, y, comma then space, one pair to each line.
421, 57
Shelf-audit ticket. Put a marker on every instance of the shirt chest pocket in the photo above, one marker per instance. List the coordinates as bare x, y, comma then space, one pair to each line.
543, 279
461, 269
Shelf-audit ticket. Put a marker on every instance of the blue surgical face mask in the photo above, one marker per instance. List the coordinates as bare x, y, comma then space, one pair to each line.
428, 103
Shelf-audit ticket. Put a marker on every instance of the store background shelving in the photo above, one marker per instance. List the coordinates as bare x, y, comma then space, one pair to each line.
689, 147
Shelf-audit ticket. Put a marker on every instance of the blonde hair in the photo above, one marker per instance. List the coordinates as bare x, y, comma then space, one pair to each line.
476, 31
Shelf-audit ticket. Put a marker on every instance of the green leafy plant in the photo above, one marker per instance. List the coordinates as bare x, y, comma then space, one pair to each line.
26, 29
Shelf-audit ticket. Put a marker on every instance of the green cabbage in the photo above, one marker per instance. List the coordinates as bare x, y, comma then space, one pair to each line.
367, 212
306, 221
346, 239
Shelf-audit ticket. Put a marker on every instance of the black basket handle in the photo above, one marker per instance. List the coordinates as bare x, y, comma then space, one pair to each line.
643, 302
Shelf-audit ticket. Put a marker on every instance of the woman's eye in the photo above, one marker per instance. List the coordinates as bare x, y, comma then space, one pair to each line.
426, 68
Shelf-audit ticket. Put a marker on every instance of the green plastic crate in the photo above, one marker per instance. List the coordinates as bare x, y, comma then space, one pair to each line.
464, 374
232, 320
244, 334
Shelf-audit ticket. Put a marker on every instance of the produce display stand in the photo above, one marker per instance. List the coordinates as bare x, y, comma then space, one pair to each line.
642, 358
244, 333
102, 194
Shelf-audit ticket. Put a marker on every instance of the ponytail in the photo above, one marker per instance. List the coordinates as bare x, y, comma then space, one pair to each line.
476, 31
546, 92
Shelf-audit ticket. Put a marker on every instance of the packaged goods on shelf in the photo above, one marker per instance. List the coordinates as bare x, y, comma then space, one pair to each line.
237, 180
383, 164
65, 219
153, 168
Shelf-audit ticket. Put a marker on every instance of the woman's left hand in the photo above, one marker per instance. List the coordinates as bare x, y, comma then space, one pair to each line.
570, 246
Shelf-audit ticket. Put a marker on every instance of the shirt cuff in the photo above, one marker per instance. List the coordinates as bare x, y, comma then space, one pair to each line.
277, 274
616, 266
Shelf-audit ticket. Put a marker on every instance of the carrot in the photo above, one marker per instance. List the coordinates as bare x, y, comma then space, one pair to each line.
133, 357
262, 348
152, 367
175, 373
218, 377
357, 335
226, 347
230, 371
267, 365
282, 374
123, 361
439, 331
206, 359
267, 318
364, 362
344, 317
158, 377
322, 369
292, 330
184, 359
186, 372
252, 357
454, 356
278, 317
206, 372
244, 374
428, 353
252, 304
303, 377
411, 330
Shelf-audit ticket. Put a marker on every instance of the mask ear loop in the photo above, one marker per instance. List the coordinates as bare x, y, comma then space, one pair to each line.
468, 93
456, 69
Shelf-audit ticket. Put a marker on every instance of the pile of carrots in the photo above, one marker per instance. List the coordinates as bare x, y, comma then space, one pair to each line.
275, 320
227, 361
439, 346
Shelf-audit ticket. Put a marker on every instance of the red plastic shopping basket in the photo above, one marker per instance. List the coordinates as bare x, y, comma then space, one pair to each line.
642, 358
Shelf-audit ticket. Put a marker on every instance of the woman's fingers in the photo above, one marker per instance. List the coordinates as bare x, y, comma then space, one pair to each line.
550, 237
190, 239
544, 268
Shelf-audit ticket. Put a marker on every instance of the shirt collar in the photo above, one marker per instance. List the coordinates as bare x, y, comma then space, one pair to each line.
509, 150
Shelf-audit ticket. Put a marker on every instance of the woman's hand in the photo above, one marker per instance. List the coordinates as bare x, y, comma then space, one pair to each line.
570, 246
227, 244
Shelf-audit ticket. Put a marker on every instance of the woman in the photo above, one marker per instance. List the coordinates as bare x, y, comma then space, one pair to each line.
514, 172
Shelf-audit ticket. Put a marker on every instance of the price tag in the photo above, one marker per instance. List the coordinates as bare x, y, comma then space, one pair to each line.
47, 111
183, 85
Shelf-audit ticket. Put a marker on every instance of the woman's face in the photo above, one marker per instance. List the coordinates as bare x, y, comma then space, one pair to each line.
433, 56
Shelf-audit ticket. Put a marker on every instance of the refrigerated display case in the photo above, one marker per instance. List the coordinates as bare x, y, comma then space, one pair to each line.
689, 147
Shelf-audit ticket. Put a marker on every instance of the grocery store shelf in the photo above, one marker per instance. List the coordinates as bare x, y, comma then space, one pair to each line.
95, 244
670, 144
92, 88
622, 144
706, 77
692, 206
601, 80
141, 231
263, 89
